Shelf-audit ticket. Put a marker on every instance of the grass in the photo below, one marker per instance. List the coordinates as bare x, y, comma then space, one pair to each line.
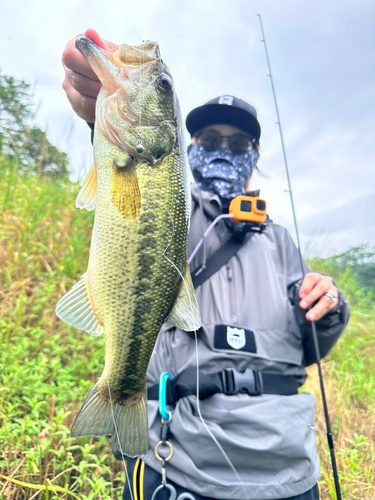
47, 367
349, 374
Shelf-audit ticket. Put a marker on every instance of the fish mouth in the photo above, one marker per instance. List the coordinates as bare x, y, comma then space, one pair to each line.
89, 49
102, 62
83, 43
127, 54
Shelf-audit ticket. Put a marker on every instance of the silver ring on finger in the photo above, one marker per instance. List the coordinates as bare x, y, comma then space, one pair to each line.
332, 297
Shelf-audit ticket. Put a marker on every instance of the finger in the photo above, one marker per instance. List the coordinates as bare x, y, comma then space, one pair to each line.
323, 285
82, 84
73, 59
96, 38
322, 307
100, 42
308, 283
83, 105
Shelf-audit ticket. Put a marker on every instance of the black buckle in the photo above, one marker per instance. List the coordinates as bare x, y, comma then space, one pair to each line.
234, 382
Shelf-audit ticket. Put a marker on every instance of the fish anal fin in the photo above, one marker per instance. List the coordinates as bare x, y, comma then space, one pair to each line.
75, 308
87, 196
125, 194
125, 421
185, 313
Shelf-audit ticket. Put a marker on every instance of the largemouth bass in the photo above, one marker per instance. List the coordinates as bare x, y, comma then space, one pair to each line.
137, 276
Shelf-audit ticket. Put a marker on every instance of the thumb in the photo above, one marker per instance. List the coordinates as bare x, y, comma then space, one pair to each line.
98, 40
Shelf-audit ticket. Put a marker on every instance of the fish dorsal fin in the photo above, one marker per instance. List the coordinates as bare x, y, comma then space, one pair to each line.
185, 313
87, 196
75, 308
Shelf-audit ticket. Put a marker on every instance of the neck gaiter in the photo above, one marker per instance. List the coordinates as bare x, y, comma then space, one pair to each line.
221, 171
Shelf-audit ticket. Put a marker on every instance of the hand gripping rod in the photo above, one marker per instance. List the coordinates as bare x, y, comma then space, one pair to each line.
313, 326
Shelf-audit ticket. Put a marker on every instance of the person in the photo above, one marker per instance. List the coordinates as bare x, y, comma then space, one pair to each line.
256, 312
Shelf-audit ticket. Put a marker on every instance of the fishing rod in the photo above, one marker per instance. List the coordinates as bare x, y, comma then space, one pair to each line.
313, 325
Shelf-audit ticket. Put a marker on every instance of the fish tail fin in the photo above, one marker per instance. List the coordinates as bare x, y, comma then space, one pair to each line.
126, 422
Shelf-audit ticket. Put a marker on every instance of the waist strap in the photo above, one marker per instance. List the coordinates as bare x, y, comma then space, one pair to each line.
227, 381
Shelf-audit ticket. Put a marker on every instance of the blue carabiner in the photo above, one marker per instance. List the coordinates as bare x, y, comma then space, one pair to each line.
163, 395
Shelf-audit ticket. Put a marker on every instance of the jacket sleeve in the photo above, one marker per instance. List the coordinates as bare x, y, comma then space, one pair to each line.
330, 327
92, 127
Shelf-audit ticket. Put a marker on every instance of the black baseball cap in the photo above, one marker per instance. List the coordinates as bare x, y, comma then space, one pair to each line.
226, 109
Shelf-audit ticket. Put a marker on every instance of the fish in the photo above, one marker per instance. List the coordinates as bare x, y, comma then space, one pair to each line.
137, 276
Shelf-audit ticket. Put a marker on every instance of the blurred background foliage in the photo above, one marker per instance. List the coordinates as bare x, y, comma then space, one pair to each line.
359, 262
21, 139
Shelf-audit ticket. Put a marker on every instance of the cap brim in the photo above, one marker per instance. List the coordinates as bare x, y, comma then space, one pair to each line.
214, 114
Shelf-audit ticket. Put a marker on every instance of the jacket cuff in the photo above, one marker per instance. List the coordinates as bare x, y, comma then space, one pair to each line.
92, 126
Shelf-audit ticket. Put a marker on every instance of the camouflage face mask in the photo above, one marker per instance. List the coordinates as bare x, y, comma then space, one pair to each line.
221, 171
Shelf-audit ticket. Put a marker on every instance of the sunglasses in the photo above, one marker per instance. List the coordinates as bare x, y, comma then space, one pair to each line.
237, 143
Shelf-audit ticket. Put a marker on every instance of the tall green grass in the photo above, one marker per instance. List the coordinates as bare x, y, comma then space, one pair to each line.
349, 374
47, 367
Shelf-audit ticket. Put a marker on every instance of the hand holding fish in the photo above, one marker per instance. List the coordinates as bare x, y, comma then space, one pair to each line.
81, 84
317, 286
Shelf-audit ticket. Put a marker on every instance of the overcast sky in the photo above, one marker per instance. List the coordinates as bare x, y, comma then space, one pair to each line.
322, 56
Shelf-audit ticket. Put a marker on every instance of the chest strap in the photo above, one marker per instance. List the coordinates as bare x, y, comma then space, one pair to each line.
219, 258
228, 381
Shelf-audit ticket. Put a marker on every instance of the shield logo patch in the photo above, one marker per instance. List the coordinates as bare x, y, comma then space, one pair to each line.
236, 337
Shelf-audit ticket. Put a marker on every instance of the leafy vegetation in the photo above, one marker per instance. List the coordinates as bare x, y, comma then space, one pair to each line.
361, 262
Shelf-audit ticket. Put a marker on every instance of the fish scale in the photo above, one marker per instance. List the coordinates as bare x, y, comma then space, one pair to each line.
137, 275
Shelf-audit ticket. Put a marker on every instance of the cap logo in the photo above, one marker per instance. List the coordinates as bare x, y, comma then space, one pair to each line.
226, 99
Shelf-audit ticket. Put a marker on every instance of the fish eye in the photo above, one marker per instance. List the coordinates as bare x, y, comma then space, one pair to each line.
164, 83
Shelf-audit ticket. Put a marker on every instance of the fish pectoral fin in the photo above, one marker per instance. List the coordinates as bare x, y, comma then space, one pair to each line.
87, 196
185, 313
75, 308
125, 194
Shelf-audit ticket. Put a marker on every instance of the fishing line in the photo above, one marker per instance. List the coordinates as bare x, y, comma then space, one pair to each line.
140, 84
313, 325
140, 148
215, 440
118, 440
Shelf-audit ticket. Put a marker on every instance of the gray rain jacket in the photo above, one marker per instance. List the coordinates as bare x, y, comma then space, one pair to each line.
268, 438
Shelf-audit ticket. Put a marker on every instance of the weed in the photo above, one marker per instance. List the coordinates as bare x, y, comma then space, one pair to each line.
46, 366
